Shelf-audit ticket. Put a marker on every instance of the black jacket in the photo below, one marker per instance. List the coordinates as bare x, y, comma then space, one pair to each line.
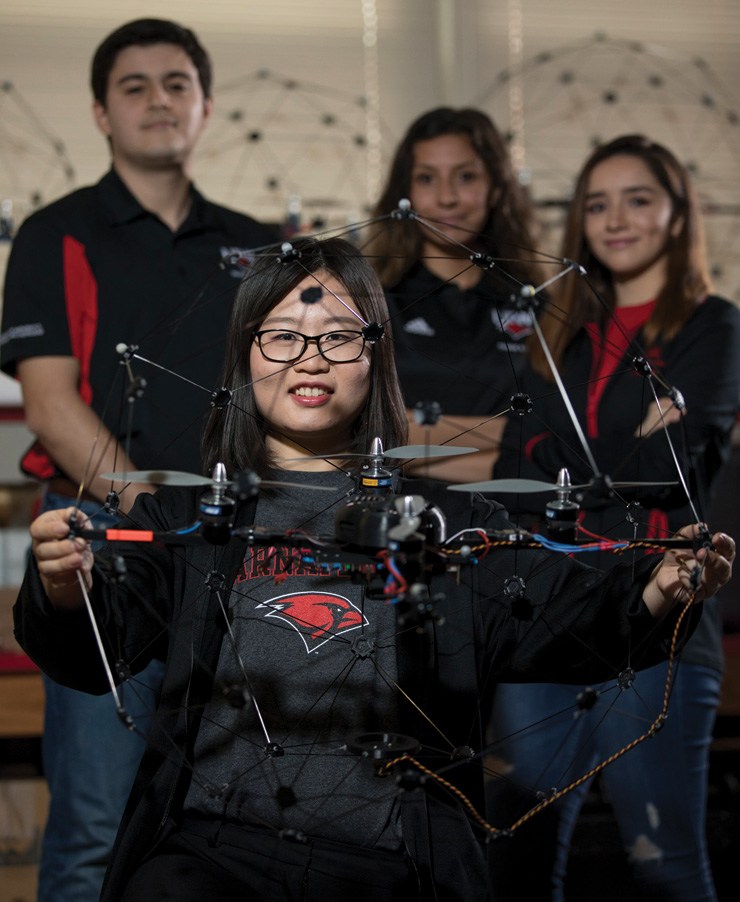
165, 608
703, 362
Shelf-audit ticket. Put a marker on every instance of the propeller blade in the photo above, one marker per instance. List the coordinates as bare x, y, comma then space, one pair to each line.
159, 477
403, 452
524, 486
506, 485
182, 479
359, 455
428, 451
404, 529
639, 485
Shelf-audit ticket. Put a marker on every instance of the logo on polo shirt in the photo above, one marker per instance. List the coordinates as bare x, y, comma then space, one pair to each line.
517, 324
238, 260
30, 330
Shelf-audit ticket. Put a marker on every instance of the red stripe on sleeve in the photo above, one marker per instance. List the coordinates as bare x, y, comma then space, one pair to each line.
81, 299
81, 295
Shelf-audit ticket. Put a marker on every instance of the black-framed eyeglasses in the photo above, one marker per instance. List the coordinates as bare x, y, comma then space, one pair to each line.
287, 346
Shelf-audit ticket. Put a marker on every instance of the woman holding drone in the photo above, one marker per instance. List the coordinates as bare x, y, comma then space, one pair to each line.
319, 732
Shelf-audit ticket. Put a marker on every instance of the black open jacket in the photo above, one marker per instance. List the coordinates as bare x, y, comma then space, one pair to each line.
579, 625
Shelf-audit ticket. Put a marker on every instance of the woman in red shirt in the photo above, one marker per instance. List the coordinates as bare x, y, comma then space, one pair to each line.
650, 360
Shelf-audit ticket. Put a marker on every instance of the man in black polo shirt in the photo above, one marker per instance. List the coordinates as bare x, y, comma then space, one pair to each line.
140, 260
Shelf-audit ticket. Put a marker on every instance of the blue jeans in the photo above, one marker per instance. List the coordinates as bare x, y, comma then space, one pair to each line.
90, 760
658, 790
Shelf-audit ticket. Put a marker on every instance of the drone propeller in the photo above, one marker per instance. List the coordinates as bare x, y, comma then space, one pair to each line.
160, 477
402, 452
524, 486
180, 478
410, 507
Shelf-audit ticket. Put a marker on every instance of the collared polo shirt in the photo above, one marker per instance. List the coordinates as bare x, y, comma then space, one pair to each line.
94, 271
459, 348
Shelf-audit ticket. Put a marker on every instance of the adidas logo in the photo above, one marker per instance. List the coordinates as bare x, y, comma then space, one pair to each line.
418, 326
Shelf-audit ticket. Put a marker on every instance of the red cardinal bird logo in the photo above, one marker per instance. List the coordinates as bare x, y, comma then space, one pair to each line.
316, 616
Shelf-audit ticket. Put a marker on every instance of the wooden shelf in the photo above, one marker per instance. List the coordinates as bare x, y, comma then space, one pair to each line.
21, 705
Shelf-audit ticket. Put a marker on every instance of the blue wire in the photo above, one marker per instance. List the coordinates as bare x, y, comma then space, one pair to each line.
576, 549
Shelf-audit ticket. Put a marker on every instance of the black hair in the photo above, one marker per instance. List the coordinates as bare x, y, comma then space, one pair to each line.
142, 33
510, 227
235, 435
687, 278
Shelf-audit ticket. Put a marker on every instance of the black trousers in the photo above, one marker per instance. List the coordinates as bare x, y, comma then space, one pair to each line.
200, 861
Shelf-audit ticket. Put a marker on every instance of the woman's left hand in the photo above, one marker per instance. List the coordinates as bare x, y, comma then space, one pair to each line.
701, 569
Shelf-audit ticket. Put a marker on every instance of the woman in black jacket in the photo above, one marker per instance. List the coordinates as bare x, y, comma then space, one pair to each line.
295, 676
449, 269
650, 360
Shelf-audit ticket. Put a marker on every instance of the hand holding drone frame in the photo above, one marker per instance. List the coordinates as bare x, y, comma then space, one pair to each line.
693, 574
64, 558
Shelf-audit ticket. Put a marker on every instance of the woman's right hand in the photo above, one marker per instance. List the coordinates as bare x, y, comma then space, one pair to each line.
60, 557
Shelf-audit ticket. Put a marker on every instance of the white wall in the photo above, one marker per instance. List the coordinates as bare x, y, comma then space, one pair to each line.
429, 52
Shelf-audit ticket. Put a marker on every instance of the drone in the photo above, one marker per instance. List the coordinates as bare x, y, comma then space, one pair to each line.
391, 542
381, 537
390, 539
